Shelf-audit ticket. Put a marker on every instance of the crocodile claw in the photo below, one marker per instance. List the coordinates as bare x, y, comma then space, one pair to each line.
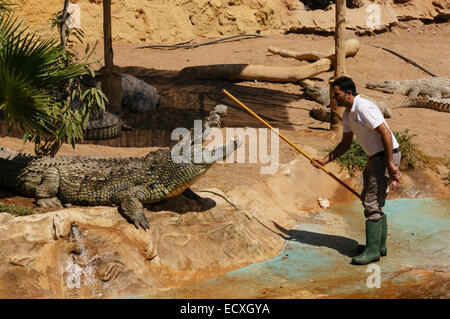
141, 221
48, 202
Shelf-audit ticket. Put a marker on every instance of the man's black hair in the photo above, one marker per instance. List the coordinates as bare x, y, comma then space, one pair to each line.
345, 83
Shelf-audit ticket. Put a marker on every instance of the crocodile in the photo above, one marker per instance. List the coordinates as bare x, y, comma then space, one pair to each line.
321, 94
434, 87
126, 182
104, 126
440, 105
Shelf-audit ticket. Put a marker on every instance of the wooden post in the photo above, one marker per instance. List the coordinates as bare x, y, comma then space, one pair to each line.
339, 67
111, 74
108, 52
64, 25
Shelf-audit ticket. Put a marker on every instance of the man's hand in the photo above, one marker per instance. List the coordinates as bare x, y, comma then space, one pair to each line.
394, 175
320, 162
342, 147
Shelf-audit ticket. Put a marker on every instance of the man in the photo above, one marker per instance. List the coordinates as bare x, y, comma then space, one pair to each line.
363, 119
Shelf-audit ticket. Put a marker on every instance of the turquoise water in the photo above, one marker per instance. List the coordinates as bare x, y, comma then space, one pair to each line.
318, 262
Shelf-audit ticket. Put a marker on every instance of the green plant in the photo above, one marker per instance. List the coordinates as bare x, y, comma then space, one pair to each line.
354, 159
59, 22
6, 5
40, 86
412, 157
31, 70
16, 210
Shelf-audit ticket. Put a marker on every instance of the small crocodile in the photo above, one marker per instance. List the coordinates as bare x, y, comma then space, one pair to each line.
104, 126
126, 182
440, 105
434, 87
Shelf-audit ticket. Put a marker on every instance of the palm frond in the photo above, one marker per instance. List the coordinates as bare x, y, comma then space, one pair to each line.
24, 105
41, 60
30, 68
10, 28
6, 5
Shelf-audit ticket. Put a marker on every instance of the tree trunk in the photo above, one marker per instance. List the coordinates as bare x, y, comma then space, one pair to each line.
111, 74
336, 112
63, 29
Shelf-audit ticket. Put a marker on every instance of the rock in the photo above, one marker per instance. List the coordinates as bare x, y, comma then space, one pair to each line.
323, 203
360, 20
139, 96
293, 5
93, 252
355, 3
426, 10
61, 226
150, 22
409, 24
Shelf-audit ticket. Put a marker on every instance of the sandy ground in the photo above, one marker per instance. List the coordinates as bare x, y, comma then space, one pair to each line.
281, 104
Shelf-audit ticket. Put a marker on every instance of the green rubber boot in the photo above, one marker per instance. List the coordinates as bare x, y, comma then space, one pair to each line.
384, 229
373, 238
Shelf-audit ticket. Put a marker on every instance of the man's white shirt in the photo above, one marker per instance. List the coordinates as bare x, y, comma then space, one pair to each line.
363, 118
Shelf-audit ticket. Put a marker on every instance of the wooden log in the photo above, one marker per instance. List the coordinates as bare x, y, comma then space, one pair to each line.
306, 56
255, 72
308, 82
351, 48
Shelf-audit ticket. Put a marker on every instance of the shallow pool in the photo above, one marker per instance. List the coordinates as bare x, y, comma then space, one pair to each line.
315, 260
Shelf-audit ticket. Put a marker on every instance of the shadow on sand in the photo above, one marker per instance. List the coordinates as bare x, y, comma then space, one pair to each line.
187, 99
345, 246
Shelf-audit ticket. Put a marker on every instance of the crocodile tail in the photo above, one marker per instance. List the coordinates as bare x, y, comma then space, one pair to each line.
440, 105
103, 133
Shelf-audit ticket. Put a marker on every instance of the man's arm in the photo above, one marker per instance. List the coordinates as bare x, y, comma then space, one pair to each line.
386, 138
342, 147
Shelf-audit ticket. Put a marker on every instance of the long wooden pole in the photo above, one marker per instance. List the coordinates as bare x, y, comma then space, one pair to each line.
290, 143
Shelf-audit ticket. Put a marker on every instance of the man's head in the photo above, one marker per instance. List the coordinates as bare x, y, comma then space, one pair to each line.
344, 91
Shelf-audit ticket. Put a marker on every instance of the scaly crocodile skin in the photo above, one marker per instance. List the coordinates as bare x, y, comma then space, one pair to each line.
434, 87
89, 180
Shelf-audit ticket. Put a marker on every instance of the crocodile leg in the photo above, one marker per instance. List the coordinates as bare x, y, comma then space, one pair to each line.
133, 209
48, 189
436, 94
413, 91
203, 201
